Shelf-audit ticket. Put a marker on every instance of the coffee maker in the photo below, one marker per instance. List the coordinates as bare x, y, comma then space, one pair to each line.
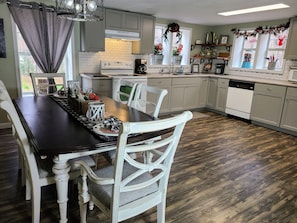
220, 67
140, 66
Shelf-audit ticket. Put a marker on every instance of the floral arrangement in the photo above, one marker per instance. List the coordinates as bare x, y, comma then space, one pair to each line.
177, 50
174, 28
262, 30
158, 49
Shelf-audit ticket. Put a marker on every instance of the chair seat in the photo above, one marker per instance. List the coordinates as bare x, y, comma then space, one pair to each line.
104, 192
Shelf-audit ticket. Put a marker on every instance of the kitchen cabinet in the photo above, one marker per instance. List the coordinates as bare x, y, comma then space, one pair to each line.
184, 94
267, 105
122, 20
202, 94
147, 36
163, 83
100, 86
212, 93
222, 94
92, 36
289, 115
291, 47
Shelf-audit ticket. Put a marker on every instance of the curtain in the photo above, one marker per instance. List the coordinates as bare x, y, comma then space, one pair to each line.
46, 35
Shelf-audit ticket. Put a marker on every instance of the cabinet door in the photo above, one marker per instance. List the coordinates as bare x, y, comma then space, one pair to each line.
121, 20
212, 92
202, 94
92, 36
147, 34
177, 98
291, 48
268, 103
289, 116
191, 97
222, 94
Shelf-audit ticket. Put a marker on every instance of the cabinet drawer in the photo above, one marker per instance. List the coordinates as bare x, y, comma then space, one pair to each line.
101, 85
185, 81
291, 93
223, 82
269, 89
159, 81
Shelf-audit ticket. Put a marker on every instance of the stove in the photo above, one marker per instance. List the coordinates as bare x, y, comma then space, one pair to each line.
118, 68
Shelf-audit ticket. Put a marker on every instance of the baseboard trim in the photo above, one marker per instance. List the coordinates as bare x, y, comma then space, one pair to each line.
5, 125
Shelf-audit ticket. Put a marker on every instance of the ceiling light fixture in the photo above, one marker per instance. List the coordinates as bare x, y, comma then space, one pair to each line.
80, 10
254, 9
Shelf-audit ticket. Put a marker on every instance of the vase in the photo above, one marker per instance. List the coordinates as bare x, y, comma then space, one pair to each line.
157, 59
176, 60
271, 65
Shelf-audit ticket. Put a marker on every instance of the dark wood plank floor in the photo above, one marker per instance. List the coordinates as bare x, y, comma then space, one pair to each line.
225, 171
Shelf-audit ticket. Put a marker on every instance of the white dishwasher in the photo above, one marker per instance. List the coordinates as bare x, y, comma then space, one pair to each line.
239, 98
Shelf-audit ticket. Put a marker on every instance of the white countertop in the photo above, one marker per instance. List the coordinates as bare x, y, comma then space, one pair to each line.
234, 77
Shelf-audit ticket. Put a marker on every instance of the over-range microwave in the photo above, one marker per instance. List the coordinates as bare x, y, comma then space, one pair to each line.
293, 75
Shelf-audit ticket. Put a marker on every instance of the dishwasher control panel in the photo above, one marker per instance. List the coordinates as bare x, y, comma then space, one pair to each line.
242, 84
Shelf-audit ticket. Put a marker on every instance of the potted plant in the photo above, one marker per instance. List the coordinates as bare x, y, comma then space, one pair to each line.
174, 28
157, 58
176, 53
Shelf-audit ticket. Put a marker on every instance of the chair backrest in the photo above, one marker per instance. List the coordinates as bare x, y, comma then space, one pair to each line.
162, 152
153, 100
47, 83
125, 91
20, 134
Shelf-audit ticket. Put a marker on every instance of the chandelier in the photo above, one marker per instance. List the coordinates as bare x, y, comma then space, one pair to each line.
80, 10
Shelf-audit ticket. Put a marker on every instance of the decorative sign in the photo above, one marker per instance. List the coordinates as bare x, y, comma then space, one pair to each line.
2, 40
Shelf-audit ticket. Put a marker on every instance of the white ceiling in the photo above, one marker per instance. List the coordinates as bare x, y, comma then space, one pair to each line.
204, 12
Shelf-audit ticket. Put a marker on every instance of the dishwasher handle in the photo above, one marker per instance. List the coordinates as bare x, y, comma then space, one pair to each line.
242, 84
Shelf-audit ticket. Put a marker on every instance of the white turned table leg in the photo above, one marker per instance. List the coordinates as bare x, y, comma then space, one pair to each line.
61, 169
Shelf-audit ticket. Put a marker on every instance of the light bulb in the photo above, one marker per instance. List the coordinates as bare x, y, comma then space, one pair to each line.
78, 8
69, 4
92, 6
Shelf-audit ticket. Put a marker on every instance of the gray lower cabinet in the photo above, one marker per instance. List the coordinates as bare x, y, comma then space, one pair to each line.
163, 83
291, 47
222, 94
268, 104
92, 36
202, 93
184, 94
289, 116
147, 36
212, 93
99, 86
121, 20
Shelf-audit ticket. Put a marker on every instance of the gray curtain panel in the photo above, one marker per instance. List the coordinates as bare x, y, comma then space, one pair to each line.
45, 34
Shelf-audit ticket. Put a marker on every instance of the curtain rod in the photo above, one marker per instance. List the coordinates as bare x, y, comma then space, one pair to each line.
29, 5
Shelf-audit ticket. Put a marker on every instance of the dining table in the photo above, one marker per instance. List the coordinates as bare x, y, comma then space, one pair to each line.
55, 130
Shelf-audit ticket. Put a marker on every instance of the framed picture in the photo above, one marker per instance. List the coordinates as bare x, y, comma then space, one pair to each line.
224, 39
195, 68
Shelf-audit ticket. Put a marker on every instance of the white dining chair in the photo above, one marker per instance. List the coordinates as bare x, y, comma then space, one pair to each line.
47, 83
125, 91
132, 186
153, 100
38, 171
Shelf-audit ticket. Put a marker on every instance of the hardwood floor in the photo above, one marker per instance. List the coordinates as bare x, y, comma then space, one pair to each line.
225, 171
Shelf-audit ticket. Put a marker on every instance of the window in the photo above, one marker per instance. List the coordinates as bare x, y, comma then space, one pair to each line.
27, 64
171, 48
259, 52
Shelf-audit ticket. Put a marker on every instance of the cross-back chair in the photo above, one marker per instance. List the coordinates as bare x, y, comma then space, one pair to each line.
132, 186
125, 91
47, 83
38, 171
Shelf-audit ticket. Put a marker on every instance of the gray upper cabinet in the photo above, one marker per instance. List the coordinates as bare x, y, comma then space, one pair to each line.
121, 20
289, 116
268, 103
291, 48
92, 36
147, 35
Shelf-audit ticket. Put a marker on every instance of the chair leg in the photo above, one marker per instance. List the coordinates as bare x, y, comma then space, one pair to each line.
161, 212
82, 205
36, 204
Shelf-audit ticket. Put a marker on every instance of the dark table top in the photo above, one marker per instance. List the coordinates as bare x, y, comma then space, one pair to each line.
52, 130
